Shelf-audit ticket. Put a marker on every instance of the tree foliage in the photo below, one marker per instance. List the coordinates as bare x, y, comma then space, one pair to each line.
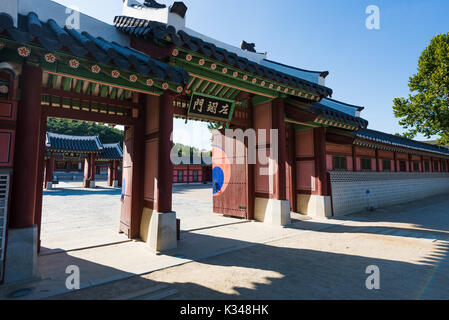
426, 110
106, 133
214, 126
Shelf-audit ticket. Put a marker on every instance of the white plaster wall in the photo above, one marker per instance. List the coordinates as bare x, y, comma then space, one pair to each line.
349, 189
160, 15
47, 9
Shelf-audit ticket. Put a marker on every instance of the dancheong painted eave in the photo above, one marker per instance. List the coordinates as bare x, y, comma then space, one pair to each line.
51, 40
147, 29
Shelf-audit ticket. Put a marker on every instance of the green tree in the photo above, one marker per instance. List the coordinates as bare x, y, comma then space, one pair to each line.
214, 126
426, 110
106, 133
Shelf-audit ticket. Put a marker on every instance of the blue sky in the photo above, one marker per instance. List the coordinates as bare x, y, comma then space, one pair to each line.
367, 67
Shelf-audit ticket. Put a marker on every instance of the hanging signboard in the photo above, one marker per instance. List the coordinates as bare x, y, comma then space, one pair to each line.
208, 107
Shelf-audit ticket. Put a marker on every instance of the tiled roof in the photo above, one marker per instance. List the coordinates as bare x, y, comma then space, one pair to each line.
330, 115
390, 139
61, 142
53, 37
111, 152
144, 29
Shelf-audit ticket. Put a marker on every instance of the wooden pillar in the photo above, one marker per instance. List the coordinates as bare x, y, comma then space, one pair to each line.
165, 174
110, 172
251, 167
50, 169
322, 187
291, 168
87, 170
41, 165
93, 166
377, 161
395, 157
26, 162
278, 118
114, 171
354, 159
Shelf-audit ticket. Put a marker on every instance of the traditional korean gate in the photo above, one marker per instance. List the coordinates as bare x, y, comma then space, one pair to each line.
229, 176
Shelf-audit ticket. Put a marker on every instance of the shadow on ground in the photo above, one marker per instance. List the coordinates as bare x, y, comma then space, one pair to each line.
267, 271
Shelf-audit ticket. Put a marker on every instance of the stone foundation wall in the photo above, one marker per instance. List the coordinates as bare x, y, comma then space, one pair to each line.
357, 191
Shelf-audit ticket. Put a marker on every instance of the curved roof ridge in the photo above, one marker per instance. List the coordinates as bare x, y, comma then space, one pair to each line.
359, 108
69, 136
323, 74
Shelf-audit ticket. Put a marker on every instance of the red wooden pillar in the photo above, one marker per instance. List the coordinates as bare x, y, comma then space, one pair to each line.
23, 205
322, 186
395, 157
50, 169
165, 180
278, 118
110, 172
377, 161
41, 164
93, 166
251, 167
115, 173
86, 179
354, 159
291, 168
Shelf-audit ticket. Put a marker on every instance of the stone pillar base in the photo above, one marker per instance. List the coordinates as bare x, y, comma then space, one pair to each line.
271, 211
315, 206
21, 255
158, 230
49, 186
115, 183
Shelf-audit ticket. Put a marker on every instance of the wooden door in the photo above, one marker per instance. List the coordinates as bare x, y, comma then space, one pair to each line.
229, 178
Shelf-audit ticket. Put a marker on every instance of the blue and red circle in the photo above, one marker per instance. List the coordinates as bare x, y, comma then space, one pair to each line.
221, 170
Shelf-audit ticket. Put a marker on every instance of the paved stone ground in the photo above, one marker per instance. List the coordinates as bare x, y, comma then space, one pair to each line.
409, 243
74, 217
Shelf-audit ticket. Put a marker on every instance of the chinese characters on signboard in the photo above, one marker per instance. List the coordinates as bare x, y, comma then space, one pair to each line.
210, 107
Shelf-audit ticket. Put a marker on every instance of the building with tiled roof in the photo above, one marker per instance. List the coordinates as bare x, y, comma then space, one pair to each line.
68, 156
68, 143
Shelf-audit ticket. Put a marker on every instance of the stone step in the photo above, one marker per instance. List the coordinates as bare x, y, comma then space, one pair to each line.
136, 295
159, 295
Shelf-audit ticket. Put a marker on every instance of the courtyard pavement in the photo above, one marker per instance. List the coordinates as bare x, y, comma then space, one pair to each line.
310, 259
74, 217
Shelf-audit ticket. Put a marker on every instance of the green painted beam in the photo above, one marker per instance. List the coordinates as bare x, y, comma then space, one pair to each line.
211, 88
226, 80
217, 90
